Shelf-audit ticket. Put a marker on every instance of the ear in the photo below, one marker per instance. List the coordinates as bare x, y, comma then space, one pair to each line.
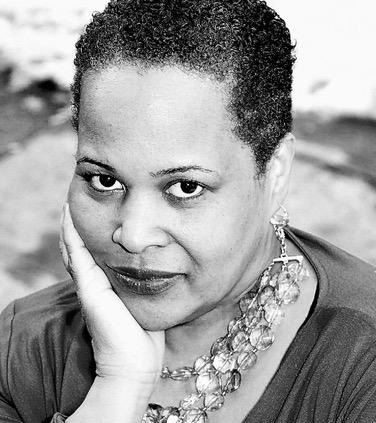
280, 170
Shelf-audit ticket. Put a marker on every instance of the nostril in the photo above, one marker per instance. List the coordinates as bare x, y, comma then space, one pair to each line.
116, 236
135, 239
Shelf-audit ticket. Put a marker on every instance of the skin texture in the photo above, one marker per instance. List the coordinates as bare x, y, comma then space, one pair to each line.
220, 240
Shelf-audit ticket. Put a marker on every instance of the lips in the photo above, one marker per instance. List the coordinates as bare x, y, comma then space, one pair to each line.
145, 281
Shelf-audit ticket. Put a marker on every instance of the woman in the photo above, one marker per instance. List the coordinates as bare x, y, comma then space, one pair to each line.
183, 114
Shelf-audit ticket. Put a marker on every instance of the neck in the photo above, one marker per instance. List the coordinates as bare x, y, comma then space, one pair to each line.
188, 341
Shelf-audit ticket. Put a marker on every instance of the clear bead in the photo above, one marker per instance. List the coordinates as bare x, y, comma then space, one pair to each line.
293, 269
280, 218
252, 309
284, 277
234, 325
247, 301
288, 293
264, 281
152, 414
274, 280
202, 364
182, 373
246, 360
165, 373
195, 415
254, 317
214, 401
231, 381
149, 419
224, 378
266, 295
220, 345
303, 274
261, 337
169, 415
223, 362
273, 313
191, 401
240, 342
207, 383
281, 289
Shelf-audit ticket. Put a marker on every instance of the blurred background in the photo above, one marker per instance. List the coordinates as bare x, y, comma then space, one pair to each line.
333, 192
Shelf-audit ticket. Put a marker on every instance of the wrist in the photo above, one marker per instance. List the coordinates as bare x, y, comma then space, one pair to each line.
114, 399
122, 375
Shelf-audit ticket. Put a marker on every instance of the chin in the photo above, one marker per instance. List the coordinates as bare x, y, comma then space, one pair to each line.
153, 326
151, 314
155, 322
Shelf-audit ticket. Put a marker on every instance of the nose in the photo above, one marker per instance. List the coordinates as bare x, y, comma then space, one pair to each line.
140, 227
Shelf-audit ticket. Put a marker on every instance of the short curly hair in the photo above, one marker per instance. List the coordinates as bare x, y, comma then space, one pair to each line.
243, 41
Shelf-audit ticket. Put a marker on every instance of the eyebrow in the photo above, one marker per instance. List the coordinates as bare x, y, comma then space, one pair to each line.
181, 169
95, 162
163, 172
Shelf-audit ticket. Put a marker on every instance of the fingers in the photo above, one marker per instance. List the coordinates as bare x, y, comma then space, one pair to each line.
109, 322
104, 313
85, 272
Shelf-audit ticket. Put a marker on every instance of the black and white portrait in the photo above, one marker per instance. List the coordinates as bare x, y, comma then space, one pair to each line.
187, 215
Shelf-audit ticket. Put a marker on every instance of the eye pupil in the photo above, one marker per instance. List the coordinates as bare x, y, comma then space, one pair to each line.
188, 187
106, 181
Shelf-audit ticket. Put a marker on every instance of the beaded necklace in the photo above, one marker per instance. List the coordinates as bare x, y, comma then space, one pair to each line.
219, 373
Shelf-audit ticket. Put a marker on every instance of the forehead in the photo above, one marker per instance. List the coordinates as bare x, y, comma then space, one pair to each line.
156, 109
167, 93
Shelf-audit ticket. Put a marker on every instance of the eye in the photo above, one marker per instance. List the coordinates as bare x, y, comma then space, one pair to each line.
105, 183
185, 189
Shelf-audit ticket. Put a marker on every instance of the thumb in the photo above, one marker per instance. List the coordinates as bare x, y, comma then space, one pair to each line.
85, 272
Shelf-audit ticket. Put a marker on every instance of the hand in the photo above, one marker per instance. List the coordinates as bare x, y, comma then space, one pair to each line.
122, 349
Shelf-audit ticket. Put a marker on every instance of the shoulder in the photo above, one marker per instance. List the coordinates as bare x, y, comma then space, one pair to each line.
345, 281
338, 334
46, 318
38, 330
45, 352
338, 345
37, 335
330, 369
344, 350
344, 326
51, 311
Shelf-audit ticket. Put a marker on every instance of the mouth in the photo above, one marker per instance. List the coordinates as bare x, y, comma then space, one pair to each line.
145, 281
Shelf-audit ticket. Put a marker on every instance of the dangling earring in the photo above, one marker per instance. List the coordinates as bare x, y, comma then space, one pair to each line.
281, 217
280, 220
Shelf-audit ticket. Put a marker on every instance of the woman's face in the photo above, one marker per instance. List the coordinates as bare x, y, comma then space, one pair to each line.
163, 185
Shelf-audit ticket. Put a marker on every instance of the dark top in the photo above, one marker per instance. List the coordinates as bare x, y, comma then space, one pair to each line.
328, 374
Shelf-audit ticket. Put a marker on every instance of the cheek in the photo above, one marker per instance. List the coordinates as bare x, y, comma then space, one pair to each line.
91, 220
219, 233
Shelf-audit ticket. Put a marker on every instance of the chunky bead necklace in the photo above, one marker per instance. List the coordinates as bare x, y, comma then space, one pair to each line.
219, 373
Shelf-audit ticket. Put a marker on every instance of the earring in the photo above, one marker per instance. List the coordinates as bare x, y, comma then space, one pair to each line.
280, 218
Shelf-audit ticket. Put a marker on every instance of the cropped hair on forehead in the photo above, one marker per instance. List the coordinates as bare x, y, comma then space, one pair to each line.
242, 42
